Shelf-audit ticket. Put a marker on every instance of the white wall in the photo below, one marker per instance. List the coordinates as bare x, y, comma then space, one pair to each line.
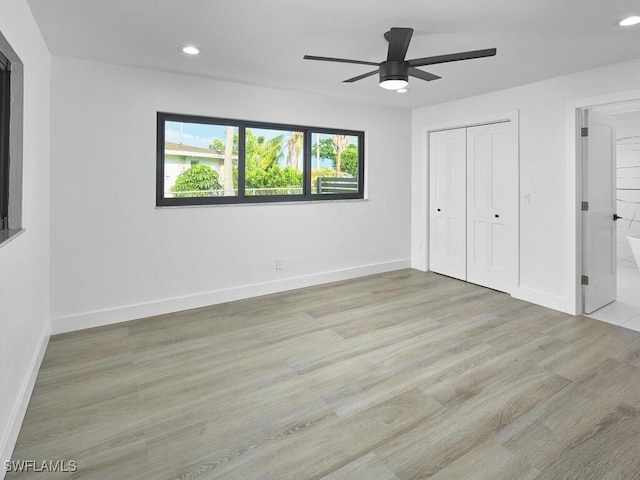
24, 261
547, 224
114, 256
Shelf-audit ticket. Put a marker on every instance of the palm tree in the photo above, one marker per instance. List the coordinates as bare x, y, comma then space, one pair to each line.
294, 150
340, 143
268, 152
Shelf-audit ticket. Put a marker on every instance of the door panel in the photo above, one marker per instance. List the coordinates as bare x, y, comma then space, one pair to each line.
501, 162
440, 236
457, 246
447, 202
492, 206
479, 242
481, 178
499, 246
599, 189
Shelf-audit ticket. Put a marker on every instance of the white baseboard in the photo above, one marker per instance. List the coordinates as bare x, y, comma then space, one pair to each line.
20, 408
131, 312
544, 299
531, 295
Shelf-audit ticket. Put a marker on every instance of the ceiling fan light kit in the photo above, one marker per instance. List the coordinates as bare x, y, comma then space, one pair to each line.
393, 75
393, 84
395, 71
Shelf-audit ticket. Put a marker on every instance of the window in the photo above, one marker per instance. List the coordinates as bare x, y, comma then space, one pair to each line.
11, 90
273, 162
343, 153
5, 111
203, 160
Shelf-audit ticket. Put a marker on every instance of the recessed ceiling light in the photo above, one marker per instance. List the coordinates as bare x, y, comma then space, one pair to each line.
632, 20
402, 90
191, 50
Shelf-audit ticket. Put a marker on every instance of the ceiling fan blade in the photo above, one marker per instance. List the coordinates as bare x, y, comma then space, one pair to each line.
341, 60
399, 39
414, 72
453, 57
360, 77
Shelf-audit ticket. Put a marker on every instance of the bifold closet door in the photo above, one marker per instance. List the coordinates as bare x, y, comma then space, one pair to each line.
492, 206
447, 202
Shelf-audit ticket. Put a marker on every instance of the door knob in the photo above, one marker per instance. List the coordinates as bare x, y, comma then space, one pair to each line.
616, 217
438, 209
497, 216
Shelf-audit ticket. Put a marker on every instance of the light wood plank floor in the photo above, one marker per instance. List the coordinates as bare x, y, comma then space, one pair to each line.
404, 375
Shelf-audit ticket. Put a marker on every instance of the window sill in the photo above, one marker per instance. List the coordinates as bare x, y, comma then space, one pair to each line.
7, 235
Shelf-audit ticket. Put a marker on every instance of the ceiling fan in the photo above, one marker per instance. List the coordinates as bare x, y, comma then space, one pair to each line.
395, 70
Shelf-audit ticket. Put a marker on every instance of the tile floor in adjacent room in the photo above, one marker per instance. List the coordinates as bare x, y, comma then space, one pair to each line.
625, 311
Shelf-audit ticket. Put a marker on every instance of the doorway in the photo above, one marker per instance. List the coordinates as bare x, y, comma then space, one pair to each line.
621, 306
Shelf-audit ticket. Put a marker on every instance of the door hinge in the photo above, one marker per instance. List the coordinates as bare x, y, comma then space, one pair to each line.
584, 131
585, 206
585, 280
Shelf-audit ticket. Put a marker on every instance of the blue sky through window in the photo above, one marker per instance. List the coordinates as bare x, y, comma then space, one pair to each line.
202, 135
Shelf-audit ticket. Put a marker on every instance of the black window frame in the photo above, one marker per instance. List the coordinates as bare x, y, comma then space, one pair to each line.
241, 198
5, 117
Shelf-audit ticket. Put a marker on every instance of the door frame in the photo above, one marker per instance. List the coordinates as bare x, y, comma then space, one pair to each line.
573, 121
512, 116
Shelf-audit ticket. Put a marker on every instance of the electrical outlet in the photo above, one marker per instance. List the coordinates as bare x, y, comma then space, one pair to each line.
279, 264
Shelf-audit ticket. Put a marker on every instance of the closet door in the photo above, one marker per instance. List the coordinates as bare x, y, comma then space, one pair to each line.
447, 202
492, 206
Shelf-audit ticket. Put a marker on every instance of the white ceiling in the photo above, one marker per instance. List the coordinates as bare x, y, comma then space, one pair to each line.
262, 42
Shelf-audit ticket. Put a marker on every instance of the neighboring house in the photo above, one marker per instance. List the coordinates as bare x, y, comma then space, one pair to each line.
179, 157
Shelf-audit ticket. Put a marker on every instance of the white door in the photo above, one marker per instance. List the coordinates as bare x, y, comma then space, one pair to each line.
447, 202
599, 190
492, 206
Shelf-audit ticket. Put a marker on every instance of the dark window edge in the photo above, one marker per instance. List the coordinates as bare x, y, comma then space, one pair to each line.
257, 200
262, 204
15, 141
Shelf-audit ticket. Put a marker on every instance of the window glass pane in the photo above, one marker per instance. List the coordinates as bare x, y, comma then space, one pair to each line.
274, 162
335, 163
200, 160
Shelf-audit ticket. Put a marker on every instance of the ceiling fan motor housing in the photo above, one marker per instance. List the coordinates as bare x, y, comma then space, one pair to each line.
393, 70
